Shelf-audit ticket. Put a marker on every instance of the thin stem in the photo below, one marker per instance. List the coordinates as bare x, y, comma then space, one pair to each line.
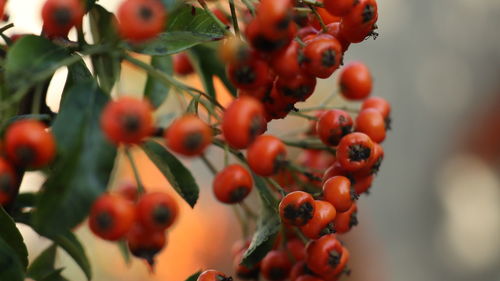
309, 145
226, 155
241, 221
140, 186
313, 3
5, 27
35, 106
248, 210
318, 16
209, 164
237, 153
300, 114
301, 236
274, 184
234, 18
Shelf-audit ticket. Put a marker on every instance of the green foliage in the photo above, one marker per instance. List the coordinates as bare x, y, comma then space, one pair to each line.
155, 90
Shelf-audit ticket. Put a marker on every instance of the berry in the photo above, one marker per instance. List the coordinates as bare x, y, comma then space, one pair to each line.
256, 34
266, 155
233, 184
371, 122
346, 220
29, 144
360, 22
182, 64
243, 121
128, 190
296, 248
248, 74
376, 160
145, 243
297, 208
222, 16
354, 151
297, 88
333, 125
356, 81
337, 191
243, 272
340, 7
275, 15
324, 255
276, 266
308, 278
213, 275
378, 103
157, 211
59, 16
188, 135
140, 20
111, 217
322, 222
322, 56
2, 7
127, 120
9, 185
287, 62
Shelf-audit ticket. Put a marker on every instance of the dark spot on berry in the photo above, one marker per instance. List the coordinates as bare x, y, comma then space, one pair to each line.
25, 155
284, 22
277, 273
245, 75
238, 194
161, 215
5, 183
104, 221
328, 58
193, 141
223, 278
328, 229
146, 253
368, 13
62, 16
261, 43
256, 127
145, 13
353, 221
131, 123
334, 258
358, 153
374, 169
354, 195
302, 213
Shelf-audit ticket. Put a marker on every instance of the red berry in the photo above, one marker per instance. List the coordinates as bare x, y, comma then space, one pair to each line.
360, 22
378, 103
128, 190
355, 81
340, 7
297, 208
157, 211
127, 120
182, 64
287, 62
222, 16
29, 144
297, 88
266, 155
188, 135
145, 243
346, 220
275, 16
243, 121
296, 248
243, 272
324, 255
213, 275
354, 151
141, 20
371, 122
333, 125
9, 185
111, 217
322, 56
59, 16
233, 184
308, 278
249, 74
337, 191
276, 266
256, 34
322, 221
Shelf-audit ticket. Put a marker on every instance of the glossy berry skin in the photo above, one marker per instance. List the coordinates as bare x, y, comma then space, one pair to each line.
325, 16
111, 217
2, 7
233, 184
354, 151
287, 62
28, 144
360, 22
346, 220
256, 34
127, 120
266, 155
322, 56
356, 81
337, 191
157, 211
297, 208
243, 121
372, 123
297, 88
9, 184
322, 222
128, 190
145, 243
275, 15
299, 269
334, 29
182, 64
324, 255
344, 259
213, 275
248, 74
333, 125
361, 183
276, 266
140, 20
339, 8
378, 103
188, 135
376, 160
296, 248
59, 16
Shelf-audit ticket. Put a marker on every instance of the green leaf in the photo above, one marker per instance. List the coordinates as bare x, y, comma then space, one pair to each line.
55, 275
176, 173
84, 163
10, 265
43, 265
186, 27
207, 63
30, 56
155, 90
194, 277
107, 66
123, 247
74, 248
268, 227
11, 235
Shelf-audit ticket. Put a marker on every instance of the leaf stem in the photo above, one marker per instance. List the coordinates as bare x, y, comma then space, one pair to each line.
140, 186
234, 17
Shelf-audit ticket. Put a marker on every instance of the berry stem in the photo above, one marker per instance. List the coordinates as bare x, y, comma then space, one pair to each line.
140, 186
276, 185
317, 15
301, 235
241, 221
234, 18
301, 114
309, 145
313, 3
35, 106
248, 211
209, 164
5, 27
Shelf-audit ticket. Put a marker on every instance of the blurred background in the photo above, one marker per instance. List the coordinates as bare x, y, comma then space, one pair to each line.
434, 210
